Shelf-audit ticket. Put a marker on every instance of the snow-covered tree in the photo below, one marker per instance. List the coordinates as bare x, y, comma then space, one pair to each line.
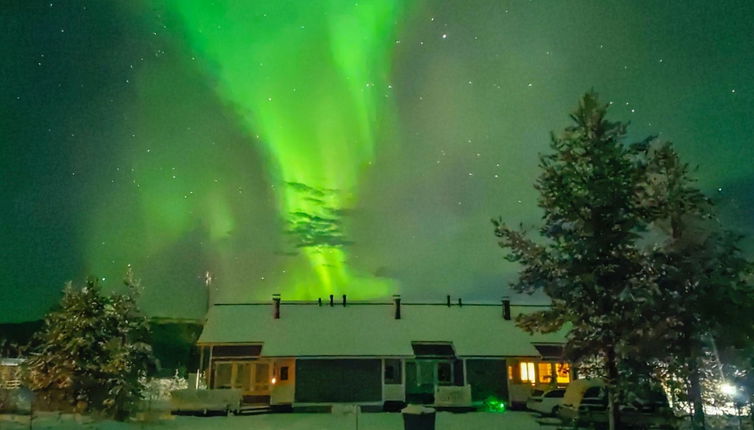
589, 262
634, 259
89, 354
707, 296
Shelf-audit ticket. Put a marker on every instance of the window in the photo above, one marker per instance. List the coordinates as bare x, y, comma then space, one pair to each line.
223, 372
545, 373
510, 373
393, 371
284, 373
527, 372
444, 372
563, 373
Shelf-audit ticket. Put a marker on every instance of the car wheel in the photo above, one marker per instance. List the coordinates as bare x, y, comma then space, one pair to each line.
555, 410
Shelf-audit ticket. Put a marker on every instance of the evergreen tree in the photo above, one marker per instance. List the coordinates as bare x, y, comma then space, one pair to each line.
589, 262
707, 300
89, 354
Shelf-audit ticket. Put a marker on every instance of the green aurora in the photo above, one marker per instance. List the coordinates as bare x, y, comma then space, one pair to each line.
308, 78
328, 147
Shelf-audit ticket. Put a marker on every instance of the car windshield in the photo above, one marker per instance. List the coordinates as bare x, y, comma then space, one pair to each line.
555, 393
592, 392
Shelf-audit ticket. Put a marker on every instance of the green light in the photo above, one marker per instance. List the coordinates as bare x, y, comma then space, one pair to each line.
492, 404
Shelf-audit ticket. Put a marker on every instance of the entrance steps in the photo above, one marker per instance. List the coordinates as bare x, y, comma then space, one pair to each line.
254, 409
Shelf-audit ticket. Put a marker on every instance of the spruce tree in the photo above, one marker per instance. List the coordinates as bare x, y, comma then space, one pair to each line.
88, 356
707, 298
589, 262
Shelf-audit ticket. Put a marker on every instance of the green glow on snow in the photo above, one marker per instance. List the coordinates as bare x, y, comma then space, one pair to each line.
309, 81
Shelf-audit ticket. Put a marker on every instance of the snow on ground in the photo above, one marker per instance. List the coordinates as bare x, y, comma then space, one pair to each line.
316, 421
291, 421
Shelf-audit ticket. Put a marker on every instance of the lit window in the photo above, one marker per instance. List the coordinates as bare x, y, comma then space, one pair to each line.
564, 373
510, 373
545, 373
527, 371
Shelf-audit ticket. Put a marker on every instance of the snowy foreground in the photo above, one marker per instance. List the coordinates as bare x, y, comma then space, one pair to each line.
292, 421
319, 421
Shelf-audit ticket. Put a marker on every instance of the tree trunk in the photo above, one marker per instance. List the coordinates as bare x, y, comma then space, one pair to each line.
695, 392
613, 413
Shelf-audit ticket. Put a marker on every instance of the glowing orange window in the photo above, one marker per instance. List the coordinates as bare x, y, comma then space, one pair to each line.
563, 373
527, 372
545, 373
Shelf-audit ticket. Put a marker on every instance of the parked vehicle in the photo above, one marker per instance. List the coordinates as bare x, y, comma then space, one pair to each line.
546, 402
585, 403
582, 395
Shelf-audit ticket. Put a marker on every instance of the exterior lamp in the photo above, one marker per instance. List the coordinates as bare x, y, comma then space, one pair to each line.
274, 380
728, 389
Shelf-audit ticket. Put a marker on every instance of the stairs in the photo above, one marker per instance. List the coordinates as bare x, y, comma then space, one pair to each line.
254, 409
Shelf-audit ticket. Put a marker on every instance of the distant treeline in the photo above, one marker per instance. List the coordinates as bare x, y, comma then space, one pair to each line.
173, 341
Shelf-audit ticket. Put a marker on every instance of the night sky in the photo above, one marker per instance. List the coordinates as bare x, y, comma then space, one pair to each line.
316, 147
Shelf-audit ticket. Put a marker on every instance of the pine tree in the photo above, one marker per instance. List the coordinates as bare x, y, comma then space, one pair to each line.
589, 262
707, 298
89, 354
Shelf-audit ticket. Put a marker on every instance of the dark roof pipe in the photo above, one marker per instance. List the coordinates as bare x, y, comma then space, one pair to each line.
276, 306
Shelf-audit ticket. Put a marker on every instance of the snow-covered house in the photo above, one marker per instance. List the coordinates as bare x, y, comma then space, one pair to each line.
303, 354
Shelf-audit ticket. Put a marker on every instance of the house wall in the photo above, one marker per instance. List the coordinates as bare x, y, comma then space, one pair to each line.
487, 377
338, 380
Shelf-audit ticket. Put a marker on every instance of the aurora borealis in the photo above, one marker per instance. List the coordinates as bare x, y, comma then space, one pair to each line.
308, 78
310, 147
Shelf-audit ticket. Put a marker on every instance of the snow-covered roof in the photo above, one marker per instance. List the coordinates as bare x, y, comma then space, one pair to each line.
361, 329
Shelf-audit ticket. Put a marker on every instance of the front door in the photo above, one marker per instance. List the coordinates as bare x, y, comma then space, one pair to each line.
261, 374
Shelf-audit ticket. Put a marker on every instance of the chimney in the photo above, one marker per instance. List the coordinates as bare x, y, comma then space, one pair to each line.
460, 303
447, 299
397, 305
344, 300
319, 301
506, 308
331, 301
276, 306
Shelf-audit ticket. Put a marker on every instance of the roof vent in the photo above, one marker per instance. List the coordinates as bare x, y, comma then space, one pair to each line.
344, 300
332, 303
397, 305
276, 306
506, 308
447, 300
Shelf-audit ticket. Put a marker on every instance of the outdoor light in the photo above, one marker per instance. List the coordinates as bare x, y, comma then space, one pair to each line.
728, 389
274, 380
491, 404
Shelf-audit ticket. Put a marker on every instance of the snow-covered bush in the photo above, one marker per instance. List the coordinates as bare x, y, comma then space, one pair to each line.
89, 354
160, 388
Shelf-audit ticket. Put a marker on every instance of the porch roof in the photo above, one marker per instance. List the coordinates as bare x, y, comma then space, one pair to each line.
359, 329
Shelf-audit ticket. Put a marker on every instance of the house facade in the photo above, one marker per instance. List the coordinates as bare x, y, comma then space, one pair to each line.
310, 354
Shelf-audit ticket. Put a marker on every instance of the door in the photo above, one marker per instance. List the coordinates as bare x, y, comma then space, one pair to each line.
261, 375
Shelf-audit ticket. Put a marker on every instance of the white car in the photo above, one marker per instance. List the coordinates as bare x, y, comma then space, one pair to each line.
546, 402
